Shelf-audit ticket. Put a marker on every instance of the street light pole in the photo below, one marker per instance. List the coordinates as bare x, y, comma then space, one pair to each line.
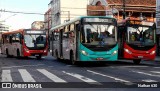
124, 9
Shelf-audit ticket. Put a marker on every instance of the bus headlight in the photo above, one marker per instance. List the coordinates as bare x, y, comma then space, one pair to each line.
45, 50
84, 52
115, 52
153, 52
128, 51
26, 50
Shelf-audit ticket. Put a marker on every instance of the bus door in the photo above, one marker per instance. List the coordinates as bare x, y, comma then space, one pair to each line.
77, 39
158, 44
61, 43
121, 35
51, 43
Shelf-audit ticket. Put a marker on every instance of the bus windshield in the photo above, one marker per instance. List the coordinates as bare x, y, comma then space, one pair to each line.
98, 34
35, 41
144, 35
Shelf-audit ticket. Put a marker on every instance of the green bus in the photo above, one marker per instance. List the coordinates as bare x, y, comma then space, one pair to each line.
87, 38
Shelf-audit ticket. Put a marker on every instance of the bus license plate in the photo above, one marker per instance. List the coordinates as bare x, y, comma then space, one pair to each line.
99, 58
36, 55
140, 56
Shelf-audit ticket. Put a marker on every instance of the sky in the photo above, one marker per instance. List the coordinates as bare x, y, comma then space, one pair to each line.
19, 21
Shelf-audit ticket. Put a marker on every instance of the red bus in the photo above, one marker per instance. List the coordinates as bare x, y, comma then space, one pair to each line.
137, 40
24, 43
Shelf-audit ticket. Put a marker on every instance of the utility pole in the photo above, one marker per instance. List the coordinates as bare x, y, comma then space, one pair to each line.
124, 9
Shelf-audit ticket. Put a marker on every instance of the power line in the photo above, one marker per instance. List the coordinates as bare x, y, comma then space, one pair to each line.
20, 12
35, 13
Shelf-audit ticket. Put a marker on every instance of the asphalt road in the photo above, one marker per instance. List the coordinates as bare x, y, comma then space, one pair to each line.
96, 75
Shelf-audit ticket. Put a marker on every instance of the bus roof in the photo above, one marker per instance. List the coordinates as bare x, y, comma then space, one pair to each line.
18, 31
11, 32
79, 18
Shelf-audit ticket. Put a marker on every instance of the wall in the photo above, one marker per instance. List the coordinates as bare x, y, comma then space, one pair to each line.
76, 8
63, 10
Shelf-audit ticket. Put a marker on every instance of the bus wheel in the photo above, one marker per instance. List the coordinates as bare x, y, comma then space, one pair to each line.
39, 57
18, 54
56, 55
136, 61
72, 61
7, 53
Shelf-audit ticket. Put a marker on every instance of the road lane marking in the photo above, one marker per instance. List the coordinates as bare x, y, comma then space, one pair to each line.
139, 72
21, 66
133, 66
117, 79
156, 67
6, 76
149, 80
85, 79
158, 72
51, 76
26, 75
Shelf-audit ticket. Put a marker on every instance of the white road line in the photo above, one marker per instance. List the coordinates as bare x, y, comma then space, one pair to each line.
117, 79
149, 80
51, 76
158, 72
21, 66
134, 66
85, 79
146, 73
156, 67
6, 76
26, 75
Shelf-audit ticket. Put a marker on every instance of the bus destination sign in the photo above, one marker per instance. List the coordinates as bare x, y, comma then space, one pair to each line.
35, 32
98, 20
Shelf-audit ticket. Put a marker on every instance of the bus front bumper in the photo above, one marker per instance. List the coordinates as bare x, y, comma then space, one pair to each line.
36, 53
98, 57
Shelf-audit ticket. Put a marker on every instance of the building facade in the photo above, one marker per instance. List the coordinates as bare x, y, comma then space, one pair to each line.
66, 10
144, 9
37, 25
48, 18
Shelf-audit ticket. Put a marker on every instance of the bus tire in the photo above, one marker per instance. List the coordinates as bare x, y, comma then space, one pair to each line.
7, 53
136, 61
56, 54
72, 61
18, 53
39, 57
52, 53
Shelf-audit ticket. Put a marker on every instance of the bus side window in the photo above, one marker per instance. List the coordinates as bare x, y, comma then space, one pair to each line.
51, 36
10, 38
56, 35
65, 33
17, 37
72, 27
6, 40
3, 39
77, 27
71, 34
13, 38
21, 38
